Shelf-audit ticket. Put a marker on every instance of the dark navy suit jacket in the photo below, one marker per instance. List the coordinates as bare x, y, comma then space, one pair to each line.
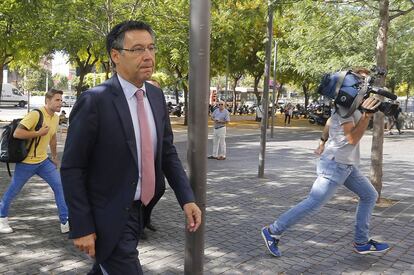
99, 165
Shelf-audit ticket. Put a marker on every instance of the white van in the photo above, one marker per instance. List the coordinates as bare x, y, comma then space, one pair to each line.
68, 100
10, 95
171, 98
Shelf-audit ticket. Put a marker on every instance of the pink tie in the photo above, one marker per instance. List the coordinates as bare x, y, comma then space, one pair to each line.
147, 152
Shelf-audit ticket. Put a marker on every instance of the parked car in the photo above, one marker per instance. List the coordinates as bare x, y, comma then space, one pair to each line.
68, 100
10, 95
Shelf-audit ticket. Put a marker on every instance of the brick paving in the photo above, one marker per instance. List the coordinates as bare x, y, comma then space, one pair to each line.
238, 205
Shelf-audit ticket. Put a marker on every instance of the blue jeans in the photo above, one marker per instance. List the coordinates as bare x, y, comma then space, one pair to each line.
331, 175
22, 173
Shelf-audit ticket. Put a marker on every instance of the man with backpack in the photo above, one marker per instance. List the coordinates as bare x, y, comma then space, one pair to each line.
37, 161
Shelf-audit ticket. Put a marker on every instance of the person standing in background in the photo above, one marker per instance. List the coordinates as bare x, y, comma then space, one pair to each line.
221, 117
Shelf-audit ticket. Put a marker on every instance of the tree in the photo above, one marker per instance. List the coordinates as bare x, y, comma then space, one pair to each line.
318, 37
381, 57
315, 38
36, 79
401, 56
84, 27
170, 20
25, 31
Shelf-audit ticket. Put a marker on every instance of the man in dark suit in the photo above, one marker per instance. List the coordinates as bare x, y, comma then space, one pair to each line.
119, 147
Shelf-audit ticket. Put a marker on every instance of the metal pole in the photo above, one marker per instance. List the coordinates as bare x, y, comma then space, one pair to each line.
227, 74
28, 101
274, 90
47, 80
28, 92
199, 86
265, 99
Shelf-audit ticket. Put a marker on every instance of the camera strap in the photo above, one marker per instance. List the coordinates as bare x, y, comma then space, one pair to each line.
341, 78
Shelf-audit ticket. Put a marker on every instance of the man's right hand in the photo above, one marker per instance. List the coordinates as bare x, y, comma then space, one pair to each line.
86, 244
370, 105
43, 131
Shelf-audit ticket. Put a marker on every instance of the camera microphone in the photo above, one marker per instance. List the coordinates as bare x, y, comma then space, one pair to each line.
384, 93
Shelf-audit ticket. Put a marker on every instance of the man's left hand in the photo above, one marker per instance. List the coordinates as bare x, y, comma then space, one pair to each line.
320, 149
193, 214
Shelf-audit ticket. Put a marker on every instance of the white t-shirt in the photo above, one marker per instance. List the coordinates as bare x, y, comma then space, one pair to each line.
337, 147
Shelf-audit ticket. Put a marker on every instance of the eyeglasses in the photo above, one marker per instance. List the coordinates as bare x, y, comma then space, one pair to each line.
221, 104
152, 49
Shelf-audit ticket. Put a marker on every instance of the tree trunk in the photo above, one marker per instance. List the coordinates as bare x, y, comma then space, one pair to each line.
407, 92
185, 88
256, 88
279, 92
79, 87
234, 94
84, 69
1, 78
107, 68
182, 80
177, 97
378, 130
305, 88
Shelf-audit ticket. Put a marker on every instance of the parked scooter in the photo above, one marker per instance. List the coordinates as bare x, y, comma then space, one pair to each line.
319, 119
177, 111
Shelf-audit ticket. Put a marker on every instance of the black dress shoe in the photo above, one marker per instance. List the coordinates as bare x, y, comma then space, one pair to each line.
151, 227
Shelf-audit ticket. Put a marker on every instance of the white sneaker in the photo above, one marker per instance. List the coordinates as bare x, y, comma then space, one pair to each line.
4, 225
64, 228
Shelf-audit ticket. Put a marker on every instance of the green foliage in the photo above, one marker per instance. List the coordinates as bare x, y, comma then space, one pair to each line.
60, 82
24, 32
401, 54
36, 80
313, 37
316, 38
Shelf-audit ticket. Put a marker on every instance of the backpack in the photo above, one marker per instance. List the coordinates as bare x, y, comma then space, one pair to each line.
13, 150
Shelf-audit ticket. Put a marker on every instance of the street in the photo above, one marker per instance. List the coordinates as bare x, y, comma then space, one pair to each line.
238, 205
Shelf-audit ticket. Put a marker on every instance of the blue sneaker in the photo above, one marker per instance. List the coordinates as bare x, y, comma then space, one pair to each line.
371, 247
271, 242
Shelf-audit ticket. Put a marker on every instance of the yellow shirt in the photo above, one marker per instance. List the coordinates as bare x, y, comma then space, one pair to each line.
30, 121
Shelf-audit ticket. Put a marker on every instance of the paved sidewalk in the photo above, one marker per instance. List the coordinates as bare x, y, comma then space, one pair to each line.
238, 205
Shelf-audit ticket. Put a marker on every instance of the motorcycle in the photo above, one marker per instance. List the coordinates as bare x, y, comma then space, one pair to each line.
319, 119
177, 111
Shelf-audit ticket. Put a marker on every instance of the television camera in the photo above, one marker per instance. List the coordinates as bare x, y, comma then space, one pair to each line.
349, 89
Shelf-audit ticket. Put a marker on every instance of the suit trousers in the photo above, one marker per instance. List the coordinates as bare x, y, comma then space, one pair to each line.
124, 257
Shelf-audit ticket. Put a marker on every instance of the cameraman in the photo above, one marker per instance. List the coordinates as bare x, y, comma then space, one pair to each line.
338, 165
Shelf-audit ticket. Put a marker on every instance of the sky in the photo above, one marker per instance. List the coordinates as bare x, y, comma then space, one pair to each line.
59, 64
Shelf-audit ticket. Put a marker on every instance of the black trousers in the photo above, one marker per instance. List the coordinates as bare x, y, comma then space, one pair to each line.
287, 118
124, 258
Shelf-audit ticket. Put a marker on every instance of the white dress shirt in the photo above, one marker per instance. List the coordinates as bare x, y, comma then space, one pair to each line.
129, 90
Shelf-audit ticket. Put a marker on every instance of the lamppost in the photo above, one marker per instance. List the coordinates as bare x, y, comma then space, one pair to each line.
265, 99
199, 80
